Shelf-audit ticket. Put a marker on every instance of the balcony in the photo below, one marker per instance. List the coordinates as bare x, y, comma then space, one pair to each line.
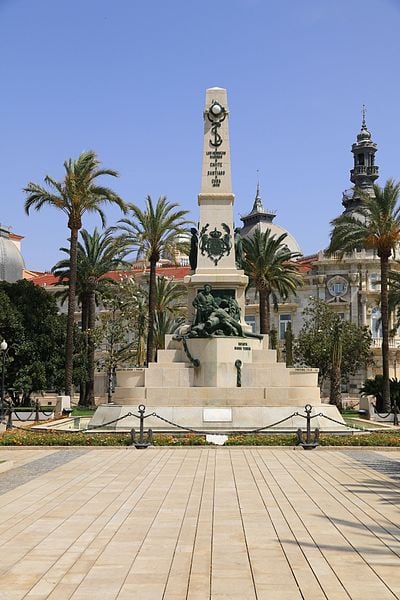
363, 170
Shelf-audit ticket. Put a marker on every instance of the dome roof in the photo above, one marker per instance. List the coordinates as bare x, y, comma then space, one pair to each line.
11, 261
276, 230
364, 134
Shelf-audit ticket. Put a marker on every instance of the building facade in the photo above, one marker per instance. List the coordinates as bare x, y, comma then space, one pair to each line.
349, 285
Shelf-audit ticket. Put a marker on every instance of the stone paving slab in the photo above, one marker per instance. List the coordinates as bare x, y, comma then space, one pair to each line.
200, 524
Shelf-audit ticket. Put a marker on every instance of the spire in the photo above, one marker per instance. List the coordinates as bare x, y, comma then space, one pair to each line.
364, 110
258, 205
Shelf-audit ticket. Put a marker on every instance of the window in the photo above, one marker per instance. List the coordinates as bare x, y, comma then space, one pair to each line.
250, 320
376, 326
338, 288
284, 320
373, 281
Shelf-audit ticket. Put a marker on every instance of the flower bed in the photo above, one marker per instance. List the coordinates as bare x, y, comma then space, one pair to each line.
54, 438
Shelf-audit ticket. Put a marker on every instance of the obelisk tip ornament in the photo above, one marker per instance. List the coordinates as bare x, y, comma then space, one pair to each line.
216, 173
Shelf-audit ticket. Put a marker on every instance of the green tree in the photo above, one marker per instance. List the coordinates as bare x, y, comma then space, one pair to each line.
374, 225
267, 262
153, 233
98, 254
35, 333
78, 193
120, 333
336, 347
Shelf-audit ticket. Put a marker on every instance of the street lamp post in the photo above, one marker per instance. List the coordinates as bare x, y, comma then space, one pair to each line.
3, 348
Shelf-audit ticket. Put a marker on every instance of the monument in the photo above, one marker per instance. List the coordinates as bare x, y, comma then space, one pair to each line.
215, 374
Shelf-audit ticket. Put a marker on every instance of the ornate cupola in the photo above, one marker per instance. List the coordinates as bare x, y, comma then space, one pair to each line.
364, 172
261, 218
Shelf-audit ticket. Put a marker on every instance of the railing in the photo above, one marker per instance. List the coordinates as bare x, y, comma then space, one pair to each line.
36, 414
365, 170
393, 342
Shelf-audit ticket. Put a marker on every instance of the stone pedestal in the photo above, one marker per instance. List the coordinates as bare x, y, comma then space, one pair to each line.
208, 396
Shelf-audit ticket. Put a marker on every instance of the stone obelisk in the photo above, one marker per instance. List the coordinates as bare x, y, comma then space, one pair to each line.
216, 249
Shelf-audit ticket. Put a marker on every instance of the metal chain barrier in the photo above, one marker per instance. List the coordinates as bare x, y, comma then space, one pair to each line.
143, 442
338, 422
202, 432
393, 411
14, 411
92, 428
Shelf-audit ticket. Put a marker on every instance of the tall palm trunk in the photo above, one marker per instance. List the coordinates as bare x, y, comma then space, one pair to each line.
152, 310
264, 311
335, 393
69, 344
385, 332
84, 327
91, 347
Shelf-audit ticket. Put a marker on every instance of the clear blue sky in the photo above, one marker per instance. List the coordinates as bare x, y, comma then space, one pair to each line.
128, 78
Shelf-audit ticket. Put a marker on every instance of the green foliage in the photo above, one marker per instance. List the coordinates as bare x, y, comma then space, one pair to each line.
269, 265
153, 233
118, 342
374, 387
97, 255
373, 225
273, 337
316, 344
77, 194
35, 333
170, 308
58, 438
54, 438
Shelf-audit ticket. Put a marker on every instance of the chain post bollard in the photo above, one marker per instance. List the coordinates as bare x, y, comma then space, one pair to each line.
307, 444
238, 365
37, 416
142, 442
395, 414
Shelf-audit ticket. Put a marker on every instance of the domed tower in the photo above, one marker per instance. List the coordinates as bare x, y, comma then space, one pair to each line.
365, 172
11, 261
261, 218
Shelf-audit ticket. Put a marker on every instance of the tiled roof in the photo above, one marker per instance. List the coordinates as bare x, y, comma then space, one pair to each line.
305, 263
47, 279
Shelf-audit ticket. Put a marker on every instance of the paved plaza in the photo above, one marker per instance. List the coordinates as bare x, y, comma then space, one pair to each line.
200, 523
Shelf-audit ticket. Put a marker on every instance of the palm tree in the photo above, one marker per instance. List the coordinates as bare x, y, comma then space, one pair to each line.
152, 233
169, 311
97, 255
78, 193
267, 262
374, 225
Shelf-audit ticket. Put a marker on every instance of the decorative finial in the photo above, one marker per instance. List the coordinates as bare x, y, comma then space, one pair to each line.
364, 111
258, 183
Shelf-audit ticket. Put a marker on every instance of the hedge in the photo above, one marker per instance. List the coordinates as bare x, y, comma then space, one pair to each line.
53, 438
